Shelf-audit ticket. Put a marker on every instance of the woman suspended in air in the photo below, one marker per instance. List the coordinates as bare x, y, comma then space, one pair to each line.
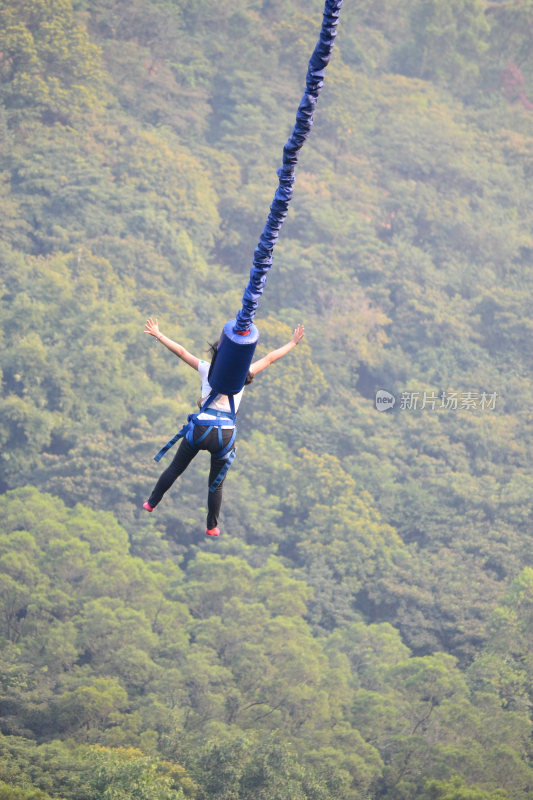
223, 380
212, 428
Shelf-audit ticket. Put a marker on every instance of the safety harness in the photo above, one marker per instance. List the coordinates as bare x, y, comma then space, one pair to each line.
227, 452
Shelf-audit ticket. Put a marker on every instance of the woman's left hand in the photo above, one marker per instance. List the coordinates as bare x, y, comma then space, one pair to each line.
298, 334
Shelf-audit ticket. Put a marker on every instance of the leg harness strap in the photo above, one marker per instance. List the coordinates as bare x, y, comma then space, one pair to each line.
227, 452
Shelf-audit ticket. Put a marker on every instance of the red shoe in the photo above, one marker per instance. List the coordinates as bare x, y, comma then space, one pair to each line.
213, 531
147, 507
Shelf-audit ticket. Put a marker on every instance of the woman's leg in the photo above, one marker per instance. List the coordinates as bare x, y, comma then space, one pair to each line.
214, 499
181, 461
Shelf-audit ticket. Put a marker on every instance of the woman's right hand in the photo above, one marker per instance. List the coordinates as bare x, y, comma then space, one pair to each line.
151, 326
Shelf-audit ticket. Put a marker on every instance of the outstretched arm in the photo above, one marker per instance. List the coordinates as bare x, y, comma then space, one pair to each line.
269, 359
152, 328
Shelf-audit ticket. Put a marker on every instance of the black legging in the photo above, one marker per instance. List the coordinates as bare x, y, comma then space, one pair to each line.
181, 461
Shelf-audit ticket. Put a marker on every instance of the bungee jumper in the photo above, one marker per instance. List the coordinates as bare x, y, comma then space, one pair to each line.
213, 428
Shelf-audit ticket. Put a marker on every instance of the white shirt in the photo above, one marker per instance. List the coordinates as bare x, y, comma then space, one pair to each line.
220, 403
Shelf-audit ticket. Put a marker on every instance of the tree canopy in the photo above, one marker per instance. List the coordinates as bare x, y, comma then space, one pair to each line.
362, 628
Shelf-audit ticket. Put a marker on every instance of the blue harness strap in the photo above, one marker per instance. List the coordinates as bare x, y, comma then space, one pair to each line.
222, 474
171, 442
227, 452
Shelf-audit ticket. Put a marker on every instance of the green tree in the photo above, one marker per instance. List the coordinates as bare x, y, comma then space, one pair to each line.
457, 789
90, 708
447, 42
127, 774
48, 62
13, 793
242, 770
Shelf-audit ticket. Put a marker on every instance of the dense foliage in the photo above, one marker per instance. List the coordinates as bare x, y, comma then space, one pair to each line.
364, 626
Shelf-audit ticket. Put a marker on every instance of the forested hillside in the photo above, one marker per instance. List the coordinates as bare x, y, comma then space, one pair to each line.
363, 627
